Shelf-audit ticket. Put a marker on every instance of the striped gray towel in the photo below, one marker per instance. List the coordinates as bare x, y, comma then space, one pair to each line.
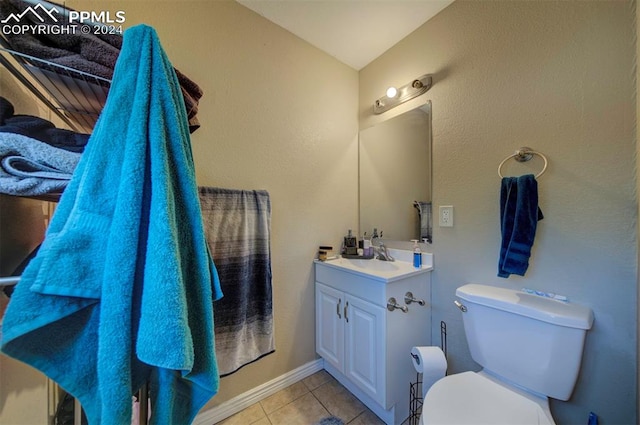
237, 226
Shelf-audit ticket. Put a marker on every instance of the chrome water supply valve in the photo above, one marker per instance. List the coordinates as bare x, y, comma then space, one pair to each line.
392, 304
409, 298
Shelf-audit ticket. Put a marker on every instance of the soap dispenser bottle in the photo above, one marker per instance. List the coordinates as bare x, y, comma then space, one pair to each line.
350, 244
417, 254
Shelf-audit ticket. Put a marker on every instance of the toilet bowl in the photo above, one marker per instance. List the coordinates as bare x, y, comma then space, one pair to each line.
530, 348
477, 398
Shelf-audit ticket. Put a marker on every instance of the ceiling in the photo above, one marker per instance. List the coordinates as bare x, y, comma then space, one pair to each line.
353, 31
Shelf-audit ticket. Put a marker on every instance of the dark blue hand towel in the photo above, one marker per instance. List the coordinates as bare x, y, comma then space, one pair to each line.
120, 292
519, 215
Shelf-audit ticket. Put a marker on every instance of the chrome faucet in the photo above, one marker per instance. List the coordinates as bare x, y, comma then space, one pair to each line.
383, 254
381, 249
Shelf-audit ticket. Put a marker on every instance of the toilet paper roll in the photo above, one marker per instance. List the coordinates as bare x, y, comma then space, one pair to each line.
431, 362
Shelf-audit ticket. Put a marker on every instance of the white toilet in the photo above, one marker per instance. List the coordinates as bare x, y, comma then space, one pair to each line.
530, 348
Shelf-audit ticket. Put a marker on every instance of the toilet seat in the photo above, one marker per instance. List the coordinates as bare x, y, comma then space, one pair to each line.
476, 398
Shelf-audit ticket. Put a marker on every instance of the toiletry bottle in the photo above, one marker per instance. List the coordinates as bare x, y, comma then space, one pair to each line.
350, 244
417, 254
366, 246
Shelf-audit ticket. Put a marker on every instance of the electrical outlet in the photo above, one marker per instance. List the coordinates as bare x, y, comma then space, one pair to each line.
446, 216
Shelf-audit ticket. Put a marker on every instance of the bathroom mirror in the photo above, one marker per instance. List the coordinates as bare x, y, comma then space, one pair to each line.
395, 173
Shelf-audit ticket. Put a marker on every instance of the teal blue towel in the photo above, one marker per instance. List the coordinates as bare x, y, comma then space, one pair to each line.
121, 290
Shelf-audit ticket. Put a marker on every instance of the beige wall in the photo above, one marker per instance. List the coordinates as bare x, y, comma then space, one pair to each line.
558, 77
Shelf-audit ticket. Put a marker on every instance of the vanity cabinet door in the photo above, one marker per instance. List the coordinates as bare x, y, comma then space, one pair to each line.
330, 325
365, 350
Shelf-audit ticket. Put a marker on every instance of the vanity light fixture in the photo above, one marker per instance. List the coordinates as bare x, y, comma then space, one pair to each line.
392, 92
395, 97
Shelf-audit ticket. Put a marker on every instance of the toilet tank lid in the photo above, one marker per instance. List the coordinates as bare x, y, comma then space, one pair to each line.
529, 305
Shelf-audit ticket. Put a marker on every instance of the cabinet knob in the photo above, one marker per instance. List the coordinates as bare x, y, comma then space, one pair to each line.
392, 304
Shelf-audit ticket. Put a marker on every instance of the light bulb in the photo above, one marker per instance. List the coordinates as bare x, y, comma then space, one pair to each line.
392, 92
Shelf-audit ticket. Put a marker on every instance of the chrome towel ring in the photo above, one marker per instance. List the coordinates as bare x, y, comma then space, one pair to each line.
524, 154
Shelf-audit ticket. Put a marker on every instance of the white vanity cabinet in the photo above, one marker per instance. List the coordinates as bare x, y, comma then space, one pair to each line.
364, 345
349, 335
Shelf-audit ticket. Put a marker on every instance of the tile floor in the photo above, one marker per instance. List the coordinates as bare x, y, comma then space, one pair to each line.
305, 403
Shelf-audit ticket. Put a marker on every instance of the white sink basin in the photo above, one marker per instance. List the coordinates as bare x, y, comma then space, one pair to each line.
374, 265
386, 271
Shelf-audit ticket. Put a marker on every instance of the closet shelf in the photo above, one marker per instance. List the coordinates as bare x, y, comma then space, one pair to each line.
78, 97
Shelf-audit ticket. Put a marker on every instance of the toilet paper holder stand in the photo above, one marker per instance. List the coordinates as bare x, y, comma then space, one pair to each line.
415, 388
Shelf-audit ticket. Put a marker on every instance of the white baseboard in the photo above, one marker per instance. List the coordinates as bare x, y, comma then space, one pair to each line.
244, 400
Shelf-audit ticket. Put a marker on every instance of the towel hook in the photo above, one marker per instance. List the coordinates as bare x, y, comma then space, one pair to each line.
524, 154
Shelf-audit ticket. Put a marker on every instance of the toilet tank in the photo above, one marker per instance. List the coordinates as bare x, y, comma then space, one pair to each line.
531, 341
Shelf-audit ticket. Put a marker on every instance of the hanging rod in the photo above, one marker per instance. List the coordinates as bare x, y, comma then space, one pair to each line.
524, 154
9, 280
